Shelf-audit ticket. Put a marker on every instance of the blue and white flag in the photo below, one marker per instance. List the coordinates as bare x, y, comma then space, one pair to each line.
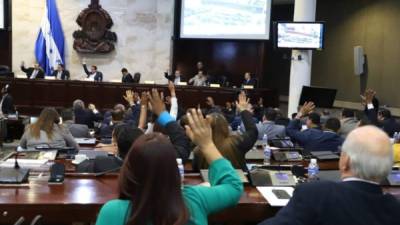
49, 49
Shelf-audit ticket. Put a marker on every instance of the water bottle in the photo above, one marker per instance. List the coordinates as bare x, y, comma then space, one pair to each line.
267, 155
313, 170
264, 140
181, 169
396, 137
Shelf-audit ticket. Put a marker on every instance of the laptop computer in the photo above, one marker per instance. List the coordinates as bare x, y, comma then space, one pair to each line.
13, 176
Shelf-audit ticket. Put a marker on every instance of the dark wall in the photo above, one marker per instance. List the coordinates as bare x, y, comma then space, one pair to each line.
373, 24
233, 58
6, 38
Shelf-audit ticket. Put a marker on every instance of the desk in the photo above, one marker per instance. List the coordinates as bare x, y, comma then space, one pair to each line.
31, 96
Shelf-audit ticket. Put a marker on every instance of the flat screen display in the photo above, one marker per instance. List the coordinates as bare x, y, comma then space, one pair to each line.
298, 35
225, 19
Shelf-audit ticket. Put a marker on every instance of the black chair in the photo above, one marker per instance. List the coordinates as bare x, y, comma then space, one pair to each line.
136, 78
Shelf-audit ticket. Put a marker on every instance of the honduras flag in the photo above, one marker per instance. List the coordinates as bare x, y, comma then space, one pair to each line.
49, 49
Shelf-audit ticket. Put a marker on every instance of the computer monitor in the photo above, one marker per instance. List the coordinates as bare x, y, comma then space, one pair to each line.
322, 97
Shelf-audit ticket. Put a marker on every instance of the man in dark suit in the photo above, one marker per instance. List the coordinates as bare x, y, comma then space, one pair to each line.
126, 76
175, 78
380, 117
77, 130
34, 72
85, 116
365, 161
313, 138
7, 102
248, 80
61, 73
93, 74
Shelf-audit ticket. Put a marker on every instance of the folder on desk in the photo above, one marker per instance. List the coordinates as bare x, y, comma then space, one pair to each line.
242, 176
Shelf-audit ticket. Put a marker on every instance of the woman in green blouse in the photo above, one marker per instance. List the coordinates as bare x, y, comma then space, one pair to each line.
150, 183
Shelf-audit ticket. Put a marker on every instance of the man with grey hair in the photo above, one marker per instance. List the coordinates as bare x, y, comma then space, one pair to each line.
366, 160
85, 116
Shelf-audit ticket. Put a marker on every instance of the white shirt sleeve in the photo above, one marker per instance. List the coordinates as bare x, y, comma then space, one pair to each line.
150, 128
370, 106
174, 108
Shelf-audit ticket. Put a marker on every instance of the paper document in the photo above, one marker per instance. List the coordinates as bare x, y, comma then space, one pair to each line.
273, 200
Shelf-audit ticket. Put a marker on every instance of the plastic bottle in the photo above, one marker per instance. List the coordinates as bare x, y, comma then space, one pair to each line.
181, 169
267, 155
265, 140
313, 170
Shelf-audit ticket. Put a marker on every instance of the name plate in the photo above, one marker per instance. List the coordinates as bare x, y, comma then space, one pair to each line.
215, 85
149, 82
49, 78
182, 83
248, 87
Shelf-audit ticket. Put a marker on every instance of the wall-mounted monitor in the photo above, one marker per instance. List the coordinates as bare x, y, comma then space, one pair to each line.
225, 19
299, 35
2, 15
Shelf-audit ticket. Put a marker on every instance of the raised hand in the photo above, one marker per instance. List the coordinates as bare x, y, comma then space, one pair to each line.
243, 102
92, 107
307, 108
156, 102
171, 87
144, 99
199, 131
129, 97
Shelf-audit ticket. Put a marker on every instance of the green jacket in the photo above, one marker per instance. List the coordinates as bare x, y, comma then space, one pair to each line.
225, 191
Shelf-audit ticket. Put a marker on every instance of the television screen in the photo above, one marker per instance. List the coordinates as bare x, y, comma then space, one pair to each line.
299, 35
2, 14
322, 97
225, 19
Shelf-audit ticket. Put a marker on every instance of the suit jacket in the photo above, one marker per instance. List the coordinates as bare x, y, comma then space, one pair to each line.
343, 203
313, 139
172, 77
7, 106
127, 79
252, 82
271, 129
390, 125
29, 71
86, 117
64, 75
347, 125
77, 130
98, 77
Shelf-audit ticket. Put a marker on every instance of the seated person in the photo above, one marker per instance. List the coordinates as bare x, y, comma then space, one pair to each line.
93, 74
85, 116
211, 106
7, 102
126, 76
232, 146
176, 78
123, 136
365, 161
106, 129
199, 79
61, 73
34, 72
348, 122
46, 132
269, 127
150, 167
229, 111
313, 138
77, 130
380, 117
248, 80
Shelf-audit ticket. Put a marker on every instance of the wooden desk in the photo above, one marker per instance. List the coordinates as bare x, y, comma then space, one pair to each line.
31, 96
81, 196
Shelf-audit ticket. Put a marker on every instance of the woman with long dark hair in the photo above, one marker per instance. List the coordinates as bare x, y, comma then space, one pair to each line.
232, 146
47, 132
150, 183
